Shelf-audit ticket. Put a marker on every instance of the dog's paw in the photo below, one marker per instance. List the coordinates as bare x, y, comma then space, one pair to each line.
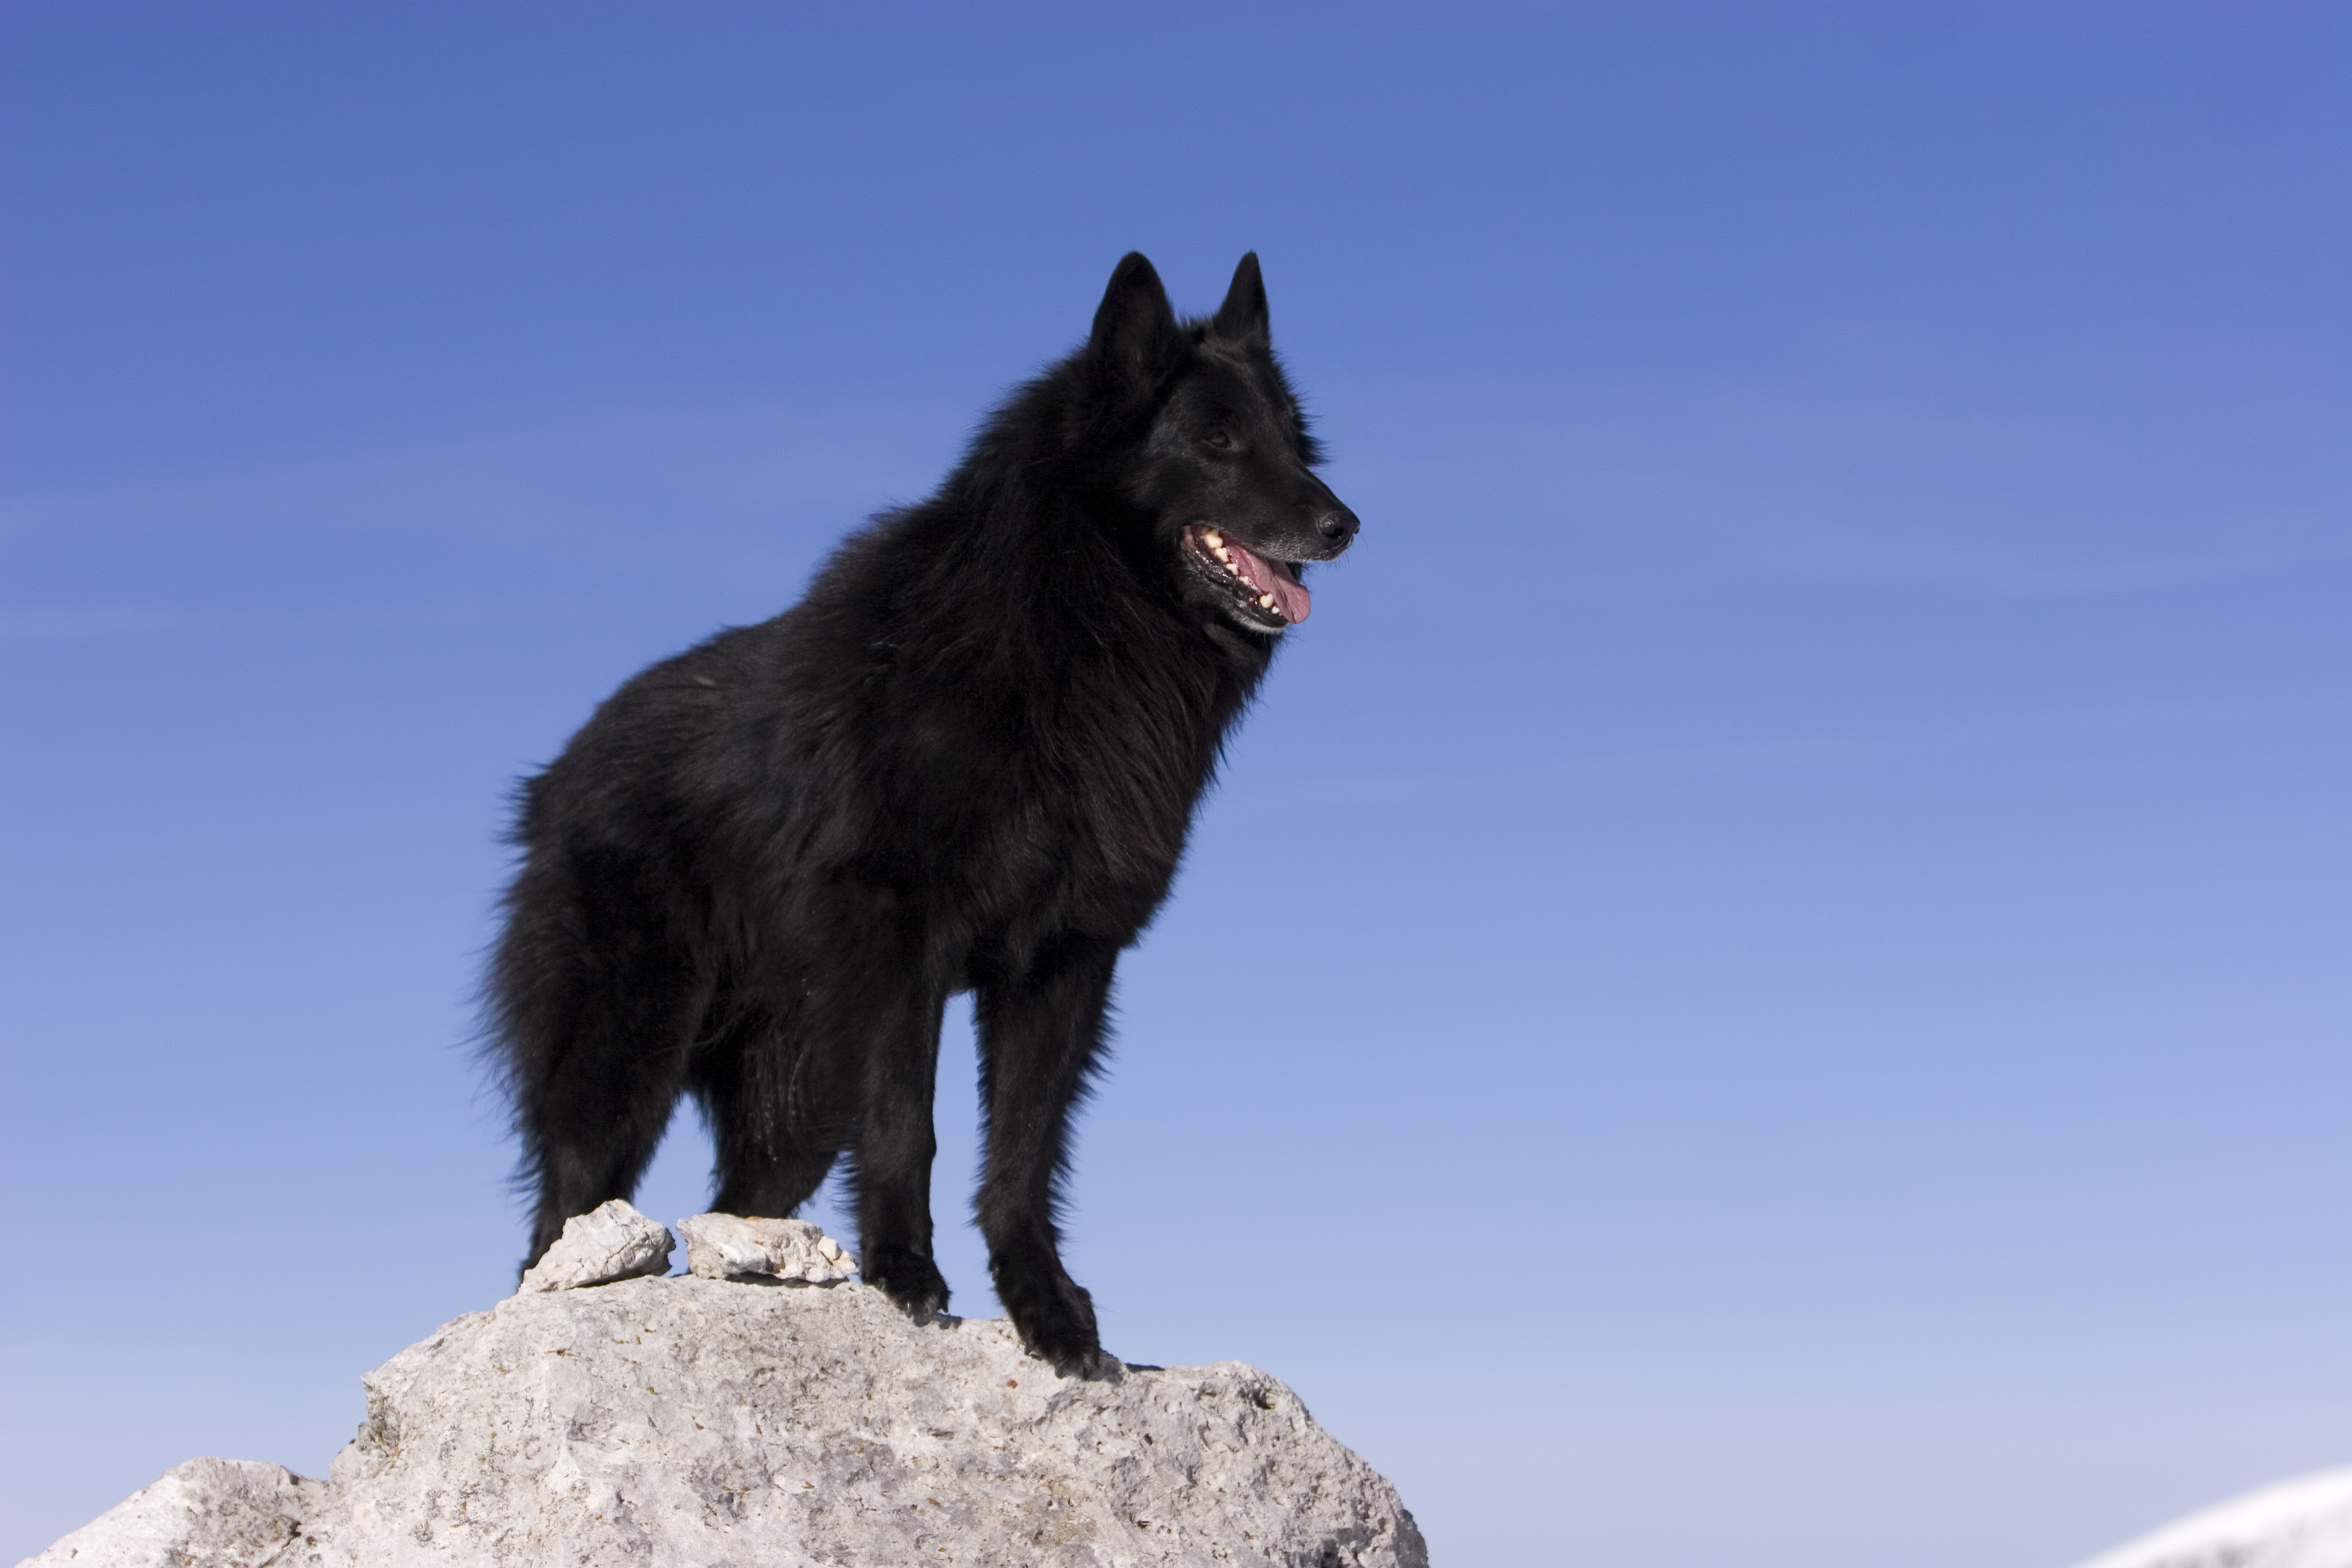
913, 1281
1074, 1357
1056, 1323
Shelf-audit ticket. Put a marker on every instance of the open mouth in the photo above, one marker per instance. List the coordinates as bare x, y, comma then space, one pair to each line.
1266, 595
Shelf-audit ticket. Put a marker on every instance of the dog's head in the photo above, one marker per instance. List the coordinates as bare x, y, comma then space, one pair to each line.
1224, 476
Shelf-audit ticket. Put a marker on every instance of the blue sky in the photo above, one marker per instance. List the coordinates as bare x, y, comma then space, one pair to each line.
1801, 1015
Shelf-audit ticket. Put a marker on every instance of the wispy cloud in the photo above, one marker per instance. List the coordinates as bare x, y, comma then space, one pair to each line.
2287, 551
1693, 489
32, 626
48, 625
1798, 753
560, 467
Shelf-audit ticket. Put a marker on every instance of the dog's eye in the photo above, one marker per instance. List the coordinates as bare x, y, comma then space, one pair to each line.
1220, 437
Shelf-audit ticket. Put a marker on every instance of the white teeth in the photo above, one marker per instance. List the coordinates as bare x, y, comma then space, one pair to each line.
1216, 545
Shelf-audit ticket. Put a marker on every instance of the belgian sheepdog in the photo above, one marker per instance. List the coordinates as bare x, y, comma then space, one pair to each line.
967, 760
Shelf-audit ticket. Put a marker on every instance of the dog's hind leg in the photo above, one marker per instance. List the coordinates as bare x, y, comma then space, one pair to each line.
779, 1116
595, 1022
1040, 1036
866, 1018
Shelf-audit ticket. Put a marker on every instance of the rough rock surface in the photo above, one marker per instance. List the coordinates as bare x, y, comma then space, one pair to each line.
724, 1246
2302, 1523
709, 1422
208, 1513
611, 1241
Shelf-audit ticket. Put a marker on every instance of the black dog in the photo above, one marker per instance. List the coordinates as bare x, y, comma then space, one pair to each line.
967, 760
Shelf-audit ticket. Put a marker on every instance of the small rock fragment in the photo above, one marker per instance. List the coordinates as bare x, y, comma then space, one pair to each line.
611, 1241
721, 1246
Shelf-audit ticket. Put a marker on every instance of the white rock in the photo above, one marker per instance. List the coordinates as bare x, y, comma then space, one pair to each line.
707, 1423
2302, 1523
611, 1241
723, 1246
208, 1513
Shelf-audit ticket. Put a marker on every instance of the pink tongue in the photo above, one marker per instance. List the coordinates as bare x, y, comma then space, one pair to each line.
1272, 577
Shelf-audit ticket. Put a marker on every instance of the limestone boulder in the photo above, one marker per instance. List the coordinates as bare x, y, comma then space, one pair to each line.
208, 1513
2302, 1523
760, 1424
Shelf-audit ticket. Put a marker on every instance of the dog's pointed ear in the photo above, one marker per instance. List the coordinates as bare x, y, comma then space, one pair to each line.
1242, 319
1136, 336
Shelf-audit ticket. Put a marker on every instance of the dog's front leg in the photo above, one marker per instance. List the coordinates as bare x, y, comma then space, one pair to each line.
1040, 1034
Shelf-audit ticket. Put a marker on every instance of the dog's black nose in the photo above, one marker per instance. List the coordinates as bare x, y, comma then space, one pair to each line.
1337, 527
